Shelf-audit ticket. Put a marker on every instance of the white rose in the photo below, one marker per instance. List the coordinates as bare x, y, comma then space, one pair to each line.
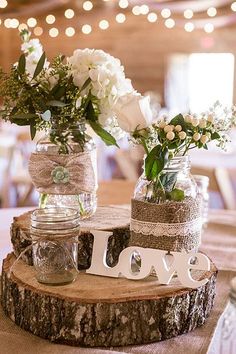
133, 111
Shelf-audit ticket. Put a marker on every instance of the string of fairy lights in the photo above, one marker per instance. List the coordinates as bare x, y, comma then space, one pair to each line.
124, 6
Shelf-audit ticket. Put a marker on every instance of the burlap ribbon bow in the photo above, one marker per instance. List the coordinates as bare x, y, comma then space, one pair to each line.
64, 174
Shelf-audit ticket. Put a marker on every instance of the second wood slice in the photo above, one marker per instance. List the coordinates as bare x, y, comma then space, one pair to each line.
114, 219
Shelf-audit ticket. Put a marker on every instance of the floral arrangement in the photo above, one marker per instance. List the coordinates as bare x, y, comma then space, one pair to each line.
166, 139
87, 88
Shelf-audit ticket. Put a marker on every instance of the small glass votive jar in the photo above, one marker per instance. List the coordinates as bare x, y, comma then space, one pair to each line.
202, 184
54, 233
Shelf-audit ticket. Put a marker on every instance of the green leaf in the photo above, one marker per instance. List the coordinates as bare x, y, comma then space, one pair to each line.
21, 64
24, 116
154, 162
104, 135
20, 122
60, 92
40, 65
62, 57
177, 195
55, 103
168, 180
90, 112
32, 129
178, 120
86, 83
215, 136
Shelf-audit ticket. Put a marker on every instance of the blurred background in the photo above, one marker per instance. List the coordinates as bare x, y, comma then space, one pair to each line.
180, 53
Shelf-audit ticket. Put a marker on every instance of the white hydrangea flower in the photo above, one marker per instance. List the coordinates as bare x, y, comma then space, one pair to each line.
108, 81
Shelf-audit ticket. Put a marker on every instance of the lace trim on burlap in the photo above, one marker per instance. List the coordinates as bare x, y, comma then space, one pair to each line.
164, 229
171, 226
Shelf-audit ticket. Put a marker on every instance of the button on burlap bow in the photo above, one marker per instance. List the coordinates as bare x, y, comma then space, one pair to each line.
64, 174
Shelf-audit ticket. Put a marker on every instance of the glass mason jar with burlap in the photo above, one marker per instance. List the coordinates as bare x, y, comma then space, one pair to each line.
64, 170
54, 233
166, 213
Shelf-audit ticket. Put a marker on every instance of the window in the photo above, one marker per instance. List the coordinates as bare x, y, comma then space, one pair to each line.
205, 78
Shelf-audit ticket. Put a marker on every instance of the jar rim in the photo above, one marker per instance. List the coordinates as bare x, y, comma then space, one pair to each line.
55, 218
201, 178
177, 163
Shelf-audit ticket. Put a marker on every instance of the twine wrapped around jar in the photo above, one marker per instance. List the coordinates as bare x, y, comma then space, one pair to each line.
171, 226
64, 174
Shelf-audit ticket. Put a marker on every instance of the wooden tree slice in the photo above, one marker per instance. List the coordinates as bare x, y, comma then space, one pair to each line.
112, 219
100, 311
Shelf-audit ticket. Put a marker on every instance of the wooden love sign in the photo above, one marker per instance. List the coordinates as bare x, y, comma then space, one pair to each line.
151, 259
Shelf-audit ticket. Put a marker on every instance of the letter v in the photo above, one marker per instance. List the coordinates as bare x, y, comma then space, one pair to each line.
157, 259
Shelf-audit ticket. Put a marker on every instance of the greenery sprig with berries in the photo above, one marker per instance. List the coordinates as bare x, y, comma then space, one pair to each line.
165, 140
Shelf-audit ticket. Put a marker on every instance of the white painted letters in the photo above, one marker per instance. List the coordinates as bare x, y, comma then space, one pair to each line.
150, 259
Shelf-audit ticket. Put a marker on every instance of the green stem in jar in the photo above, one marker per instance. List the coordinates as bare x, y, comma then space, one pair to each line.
43, 200
81, 207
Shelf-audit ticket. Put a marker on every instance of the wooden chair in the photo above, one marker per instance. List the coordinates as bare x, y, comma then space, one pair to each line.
115, 192
21, 181
220, 182
6, 155
130, 163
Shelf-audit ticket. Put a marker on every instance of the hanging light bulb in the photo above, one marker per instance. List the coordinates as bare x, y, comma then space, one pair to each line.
38, 31
189, 27
50, 19
165, 13
14, 23
169, 23
104, 24
188, 14
212, 12
233, 6
70, 31
152, 17
136, 10
7, 23
69, 13
208, 28
53, 32
22, 26
123, 4
144, 9
86, 29
3, 4
120, 18
31, 22
87, 5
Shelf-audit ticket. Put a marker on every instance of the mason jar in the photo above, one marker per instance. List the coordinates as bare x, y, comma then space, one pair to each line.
175, 176
166, 212
69, 167
202, 184
228, 323
54, 233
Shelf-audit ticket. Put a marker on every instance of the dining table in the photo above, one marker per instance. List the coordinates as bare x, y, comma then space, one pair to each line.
218, 242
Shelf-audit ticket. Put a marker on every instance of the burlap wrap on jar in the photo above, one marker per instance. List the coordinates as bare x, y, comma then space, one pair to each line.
171, 226
64, 174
